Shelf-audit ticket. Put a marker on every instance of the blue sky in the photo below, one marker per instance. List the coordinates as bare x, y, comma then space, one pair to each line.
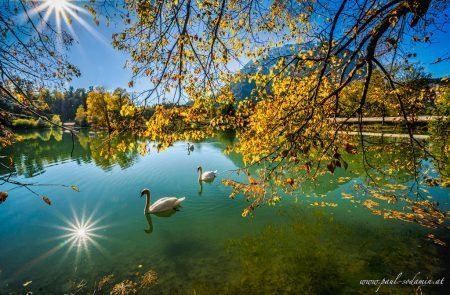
102, 65
428, 53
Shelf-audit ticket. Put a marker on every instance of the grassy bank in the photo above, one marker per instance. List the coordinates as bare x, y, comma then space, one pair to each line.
39, 123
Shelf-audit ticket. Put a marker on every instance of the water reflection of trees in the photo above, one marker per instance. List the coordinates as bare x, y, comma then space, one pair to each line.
385, 156
41, 148
38, 149
386, 163
107, 150
383, 178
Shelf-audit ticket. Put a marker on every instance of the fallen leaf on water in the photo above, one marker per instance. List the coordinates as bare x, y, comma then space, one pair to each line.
290, 181
3, 196
27, 283
75, 188
376, 212
343, 179
324, 204
346, 196
47, 200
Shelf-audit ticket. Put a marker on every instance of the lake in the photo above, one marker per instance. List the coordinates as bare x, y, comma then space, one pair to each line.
98, 237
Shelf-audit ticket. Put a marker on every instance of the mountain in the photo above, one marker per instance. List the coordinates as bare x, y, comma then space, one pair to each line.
266, 63
243, 89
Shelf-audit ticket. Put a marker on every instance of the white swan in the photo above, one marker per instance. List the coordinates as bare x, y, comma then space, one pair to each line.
163, 204
207, 175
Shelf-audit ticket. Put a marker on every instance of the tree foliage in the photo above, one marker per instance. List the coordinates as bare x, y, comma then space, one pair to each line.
80, 116
348, 59
110, 111
29, 53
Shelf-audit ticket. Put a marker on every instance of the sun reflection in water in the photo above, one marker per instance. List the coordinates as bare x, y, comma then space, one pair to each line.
82, 233
80, 236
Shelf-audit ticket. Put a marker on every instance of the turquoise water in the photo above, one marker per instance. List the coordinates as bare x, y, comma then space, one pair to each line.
206, 247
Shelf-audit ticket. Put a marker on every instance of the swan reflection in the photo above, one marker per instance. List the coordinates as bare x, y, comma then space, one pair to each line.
165, 214
201, 187
190, 148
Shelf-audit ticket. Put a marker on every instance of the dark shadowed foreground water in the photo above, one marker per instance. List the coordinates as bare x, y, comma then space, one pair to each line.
205, 248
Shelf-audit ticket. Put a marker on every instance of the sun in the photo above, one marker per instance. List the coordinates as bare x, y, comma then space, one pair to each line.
61, 14
61, 9
58, 5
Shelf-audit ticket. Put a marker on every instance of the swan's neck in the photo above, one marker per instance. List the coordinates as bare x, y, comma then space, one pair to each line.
147, 204
200, 174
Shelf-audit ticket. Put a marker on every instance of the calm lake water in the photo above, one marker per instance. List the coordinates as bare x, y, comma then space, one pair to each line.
205, 248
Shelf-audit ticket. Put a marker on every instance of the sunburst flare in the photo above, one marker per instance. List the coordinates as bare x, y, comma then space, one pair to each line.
65, 13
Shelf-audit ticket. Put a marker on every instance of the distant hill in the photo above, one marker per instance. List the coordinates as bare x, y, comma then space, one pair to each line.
244, 89
266, 63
